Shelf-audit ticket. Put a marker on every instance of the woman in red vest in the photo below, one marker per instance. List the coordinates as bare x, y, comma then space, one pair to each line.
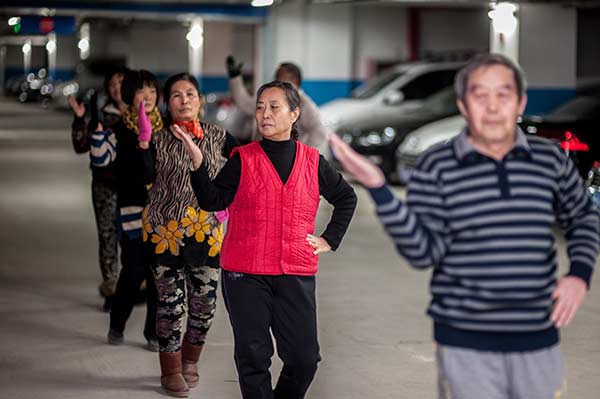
269, 256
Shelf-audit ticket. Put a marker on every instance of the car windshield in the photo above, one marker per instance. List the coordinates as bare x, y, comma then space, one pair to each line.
579, 107
442, 100
374, 85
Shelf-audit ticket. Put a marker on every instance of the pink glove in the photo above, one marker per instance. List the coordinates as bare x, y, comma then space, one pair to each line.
144, 125
222, 216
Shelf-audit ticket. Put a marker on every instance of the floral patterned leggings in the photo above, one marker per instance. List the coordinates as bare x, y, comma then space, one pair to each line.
104, 198
185, 286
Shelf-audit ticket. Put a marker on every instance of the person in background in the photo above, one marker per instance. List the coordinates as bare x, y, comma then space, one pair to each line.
184, 241
270, 253
480, 212
310, 129
139, 91
104, 192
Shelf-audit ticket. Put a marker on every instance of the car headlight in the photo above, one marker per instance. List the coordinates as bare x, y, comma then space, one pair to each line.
389, 134
410, 146
47, 89
70, 89
348, 138
377, 137
330, 122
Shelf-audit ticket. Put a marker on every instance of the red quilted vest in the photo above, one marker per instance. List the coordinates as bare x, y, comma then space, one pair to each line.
269, 221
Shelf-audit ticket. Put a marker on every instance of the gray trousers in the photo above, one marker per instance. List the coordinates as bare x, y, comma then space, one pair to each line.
472, 374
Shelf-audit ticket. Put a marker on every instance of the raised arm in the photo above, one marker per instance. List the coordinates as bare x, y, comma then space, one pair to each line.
418, 229
244, 101
79, 131
312, 131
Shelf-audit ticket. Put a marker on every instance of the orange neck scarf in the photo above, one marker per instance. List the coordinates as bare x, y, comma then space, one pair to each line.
192, 127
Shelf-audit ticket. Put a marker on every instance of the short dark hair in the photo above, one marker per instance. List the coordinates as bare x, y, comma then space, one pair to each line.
461, 80
134, 81
292, 69
291, 95
169, 85
118, 70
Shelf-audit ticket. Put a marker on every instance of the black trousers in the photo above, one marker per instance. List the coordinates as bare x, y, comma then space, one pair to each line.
286, 306
134, 270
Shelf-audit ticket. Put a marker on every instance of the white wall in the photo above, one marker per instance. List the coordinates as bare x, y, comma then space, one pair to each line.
289, 34
548, 45
339, 41
162, 47
218, 41
67, 52
381, 35
316, 37
327, 50
445, 30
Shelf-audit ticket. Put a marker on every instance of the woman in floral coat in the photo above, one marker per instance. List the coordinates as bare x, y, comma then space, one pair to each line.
184, 240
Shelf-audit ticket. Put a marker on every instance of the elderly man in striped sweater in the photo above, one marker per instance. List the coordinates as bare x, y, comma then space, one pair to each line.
480, 211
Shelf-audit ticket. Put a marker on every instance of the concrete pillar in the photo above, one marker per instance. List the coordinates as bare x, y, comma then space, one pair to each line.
52, 49
195, 38
504, 30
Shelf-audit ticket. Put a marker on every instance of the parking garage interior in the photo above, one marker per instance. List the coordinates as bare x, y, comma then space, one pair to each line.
381, 73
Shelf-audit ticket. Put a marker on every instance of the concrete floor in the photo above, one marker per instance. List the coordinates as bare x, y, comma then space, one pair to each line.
375, 339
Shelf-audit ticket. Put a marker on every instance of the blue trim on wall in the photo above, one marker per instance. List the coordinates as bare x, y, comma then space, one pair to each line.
322, 91
543, 100
60, 74
208, 84
234, 10
211, 84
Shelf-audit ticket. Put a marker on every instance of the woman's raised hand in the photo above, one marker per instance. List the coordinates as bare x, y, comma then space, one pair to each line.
144, 125
78, 109
192, 149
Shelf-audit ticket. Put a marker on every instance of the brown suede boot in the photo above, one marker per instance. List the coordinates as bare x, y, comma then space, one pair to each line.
171, 378
190, 355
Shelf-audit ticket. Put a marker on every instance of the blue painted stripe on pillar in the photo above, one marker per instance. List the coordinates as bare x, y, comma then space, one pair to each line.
208, 84
60, 74
211, 84
322, 91
544, 100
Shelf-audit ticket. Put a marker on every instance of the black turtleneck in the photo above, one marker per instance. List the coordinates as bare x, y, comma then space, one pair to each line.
218, 194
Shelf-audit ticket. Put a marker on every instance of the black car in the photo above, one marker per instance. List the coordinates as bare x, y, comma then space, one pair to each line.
378, 140
576, 126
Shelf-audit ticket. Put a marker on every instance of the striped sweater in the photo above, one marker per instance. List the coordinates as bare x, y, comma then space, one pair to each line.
485, 227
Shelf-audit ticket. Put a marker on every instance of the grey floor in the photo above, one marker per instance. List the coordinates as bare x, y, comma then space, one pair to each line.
375, 338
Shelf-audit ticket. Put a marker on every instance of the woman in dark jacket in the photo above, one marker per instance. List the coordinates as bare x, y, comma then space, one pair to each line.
270, 255
184, 240
104, 192
140, 92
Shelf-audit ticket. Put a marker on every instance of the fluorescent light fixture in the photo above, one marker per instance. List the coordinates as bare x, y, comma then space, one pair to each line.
51, 46
84, 45
261, 3
503, 18
195, 36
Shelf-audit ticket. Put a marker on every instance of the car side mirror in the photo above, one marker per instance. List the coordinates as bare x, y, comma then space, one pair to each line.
393, 98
